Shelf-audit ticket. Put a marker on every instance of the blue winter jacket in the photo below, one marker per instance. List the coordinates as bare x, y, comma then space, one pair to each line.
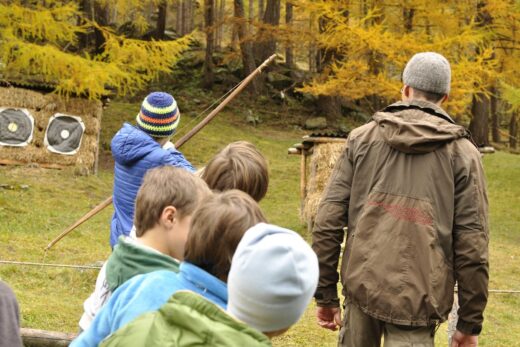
147, 293
135, 152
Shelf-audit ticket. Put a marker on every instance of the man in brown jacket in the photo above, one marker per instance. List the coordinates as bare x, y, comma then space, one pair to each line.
410, 187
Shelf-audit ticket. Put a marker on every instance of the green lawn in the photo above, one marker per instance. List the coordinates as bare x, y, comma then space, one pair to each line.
52, 299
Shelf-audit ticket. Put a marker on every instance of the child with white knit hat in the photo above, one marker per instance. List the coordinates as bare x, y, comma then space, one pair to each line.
273, 276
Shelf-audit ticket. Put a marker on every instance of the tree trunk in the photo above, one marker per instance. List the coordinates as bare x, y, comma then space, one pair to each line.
209, 9
191, 23
266, 45
495, 126
479, 123
162, 8
235, 45
313, 54
408, 14
251, 17
246, 47
179, 18
513, 130
261, 8
85, 6
289, 55
220, 22
328, 106
101, 16
186, 14
217, 23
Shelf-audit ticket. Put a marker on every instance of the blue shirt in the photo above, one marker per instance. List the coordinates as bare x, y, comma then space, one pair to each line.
148, 292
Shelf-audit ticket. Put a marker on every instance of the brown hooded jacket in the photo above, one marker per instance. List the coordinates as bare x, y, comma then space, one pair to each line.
410, 187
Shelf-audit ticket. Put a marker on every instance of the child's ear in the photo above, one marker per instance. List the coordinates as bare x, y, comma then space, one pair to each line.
168, 216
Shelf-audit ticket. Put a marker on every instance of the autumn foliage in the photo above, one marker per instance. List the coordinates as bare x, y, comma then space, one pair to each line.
39, 42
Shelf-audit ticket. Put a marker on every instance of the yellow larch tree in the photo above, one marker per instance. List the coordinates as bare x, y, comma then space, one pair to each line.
374, 40
39, 42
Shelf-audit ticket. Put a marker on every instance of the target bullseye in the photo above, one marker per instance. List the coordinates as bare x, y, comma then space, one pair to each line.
64, 133
16, 127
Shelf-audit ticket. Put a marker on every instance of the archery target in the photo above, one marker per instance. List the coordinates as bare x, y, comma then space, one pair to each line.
64, 134
16, 127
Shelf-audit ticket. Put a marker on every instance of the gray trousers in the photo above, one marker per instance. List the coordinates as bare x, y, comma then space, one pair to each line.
361, 330
9, 318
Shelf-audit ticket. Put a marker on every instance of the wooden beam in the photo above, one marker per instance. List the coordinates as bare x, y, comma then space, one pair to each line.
293, 150
323, 139
21, 163
486, 149
303, 176
43, 338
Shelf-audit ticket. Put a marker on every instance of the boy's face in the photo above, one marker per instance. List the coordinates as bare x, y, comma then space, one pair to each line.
178, 236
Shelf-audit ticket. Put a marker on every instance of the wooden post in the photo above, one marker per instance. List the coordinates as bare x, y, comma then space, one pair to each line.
303, 175
43, 338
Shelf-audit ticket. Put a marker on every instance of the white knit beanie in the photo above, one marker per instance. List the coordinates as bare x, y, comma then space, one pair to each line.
429, 72
273, 276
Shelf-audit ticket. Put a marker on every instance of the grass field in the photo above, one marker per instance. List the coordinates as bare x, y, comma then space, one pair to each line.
52, 298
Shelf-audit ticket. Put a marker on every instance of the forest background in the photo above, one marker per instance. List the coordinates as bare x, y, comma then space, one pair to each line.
339, 60
343, 57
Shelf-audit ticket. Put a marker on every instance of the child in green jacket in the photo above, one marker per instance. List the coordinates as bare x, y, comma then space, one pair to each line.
164, 205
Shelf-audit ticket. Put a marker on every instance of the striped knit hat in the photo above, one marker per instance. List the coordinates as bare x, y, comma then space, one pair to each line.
159, 115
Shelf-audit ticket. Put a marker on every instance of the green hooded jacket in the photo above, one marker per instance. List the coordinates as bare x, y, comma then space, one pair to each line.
187, 320
129, 260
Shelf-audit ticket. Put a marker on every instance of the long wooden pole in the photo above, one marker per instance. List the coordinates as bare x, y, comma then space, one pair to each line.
178, 144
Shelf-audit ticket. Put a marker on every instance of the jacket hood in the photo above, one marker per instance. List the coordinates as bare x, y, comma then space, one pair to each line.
129, 260
131, 144
417, 127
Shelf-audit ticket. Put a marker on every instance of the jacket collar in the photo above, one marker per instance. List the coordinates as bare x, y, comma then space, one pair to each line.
422, 105
203, 280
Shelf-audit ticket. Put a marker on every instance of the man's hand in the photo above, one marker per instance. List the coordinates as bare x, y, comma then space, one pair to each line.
461, 340
329, 317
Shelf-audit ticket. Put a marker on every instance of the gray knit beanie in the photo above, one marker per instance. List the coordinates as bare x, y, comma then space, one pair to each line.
429, 72
273, 276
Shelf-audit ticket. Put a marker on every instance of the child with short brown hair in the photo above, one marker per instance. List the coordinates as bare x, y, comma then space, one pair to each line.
217, 228
239, 165
164, 205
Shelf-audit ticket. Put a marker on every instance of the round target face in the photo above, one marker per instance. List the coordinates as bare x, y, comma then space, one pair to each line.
64, 134
16, 127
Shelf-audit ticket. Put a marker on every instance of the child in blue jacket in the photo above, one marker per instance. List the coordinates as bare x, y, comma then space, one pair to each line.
136, 149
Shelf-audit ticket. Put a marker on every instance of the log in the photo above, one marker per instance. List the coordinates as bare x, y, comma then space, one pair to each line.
43, 338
